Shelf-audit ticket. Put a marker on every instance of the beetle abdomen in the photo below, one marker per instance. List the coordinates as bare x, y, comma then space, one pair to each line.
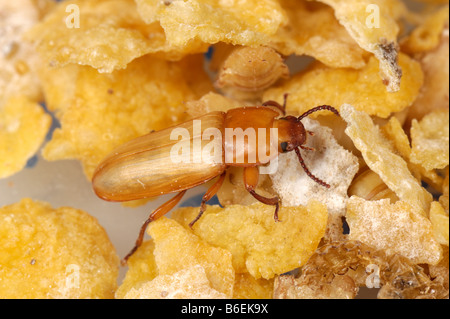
167, 161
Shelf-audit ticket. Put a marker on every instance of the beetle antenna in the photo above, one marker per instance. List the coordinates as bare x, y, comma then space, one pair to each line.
319, 108
314, 178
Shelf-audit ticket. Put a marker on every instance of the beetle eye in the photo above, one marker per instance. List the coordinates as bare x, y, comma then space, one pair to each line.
284, 146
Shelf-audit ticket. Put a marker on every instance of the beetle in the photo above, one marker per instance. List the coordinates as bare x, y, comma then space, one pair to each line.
142, 167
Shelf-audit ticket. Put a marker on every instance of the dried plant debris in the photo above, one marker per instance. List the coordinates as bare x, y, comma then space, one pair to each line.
337, 268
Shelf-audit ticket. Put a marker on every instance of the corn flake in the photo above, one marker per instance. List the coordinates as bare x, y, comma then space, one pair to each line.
434, 94
320, 85
211, 102
313, 30
54, 253
379, 156
335, 268
141, 269
426, 36
18, 60
373, 25
394, 132
22, 120
59, 85
177, 248
106, 35
189, 22
102, 115
430, 140
444, 198
258, 244
439, 220
188, 283
247, 287
395, 228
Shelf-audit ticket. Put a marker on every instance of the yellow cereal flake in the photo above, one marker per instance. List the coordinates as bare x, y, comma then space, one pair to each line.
258, 244
395, 228
188, 283
373, 25
177, 248
247, 287
23, 127
430, 140
313, 30
54, 253
109, 109
434, 94
211, 102
320, 85
106, 35
444, 198
381, 159
426, 36
439, 220
394, 132
189, 22
141, 269
59, 84
18, 59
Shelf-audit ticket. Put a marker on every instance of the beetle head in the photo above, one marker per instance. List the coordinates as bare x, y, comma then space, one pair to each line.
291, 133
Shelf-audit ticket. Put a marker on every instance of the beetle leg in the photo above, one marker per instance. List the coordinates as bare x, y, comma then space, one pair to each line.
208, 195
160, 211
282, 108
251, 177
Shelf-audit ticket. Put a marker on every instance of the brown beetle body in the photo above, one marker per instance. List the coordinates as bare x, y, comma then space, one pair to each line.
142, 168
145, 167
